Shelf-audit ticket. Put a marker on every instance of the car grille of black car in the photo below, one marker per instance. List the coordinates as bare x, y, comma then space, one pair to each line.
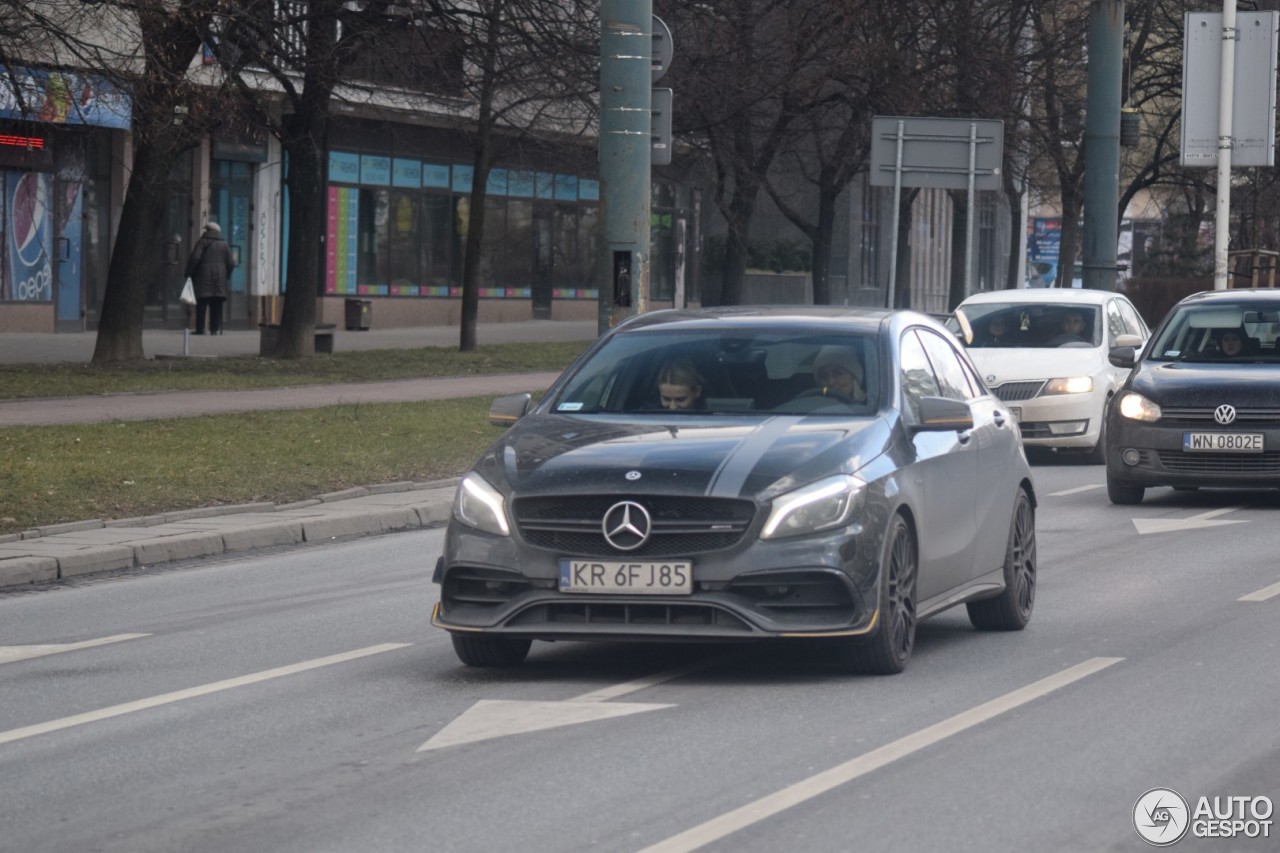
1234, 464
681, 525
1012, 392
1175, 416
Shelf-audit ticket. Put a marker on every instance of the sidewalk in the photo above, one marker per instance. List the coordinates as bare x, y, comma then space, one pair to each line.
84, 547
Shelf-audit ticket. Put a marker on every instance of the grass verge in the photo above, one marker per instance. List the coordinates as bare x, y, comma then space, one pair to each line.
52, 474
25, 381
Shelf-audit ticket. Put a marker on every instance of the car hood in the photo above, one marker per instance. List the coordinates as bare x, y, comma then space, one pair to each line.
1172, 383
1007, 364
716, 456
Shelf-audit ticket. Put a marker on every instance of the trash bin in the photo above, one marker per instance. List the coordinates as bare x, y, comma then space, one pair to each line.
359, 314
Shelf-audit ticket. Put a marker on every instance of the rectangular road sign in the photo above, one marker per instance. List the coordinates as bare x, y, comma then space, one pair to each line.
935, 152
1253, 104
660, 134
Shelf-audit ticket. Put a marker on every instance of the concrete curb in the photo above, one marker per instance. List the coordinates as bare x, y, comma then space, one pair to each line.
80, 548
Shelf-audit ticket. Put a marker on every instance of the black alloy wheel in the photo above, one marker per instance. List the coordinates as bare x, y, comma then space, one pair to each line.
889, 647
1011, 609
490, 651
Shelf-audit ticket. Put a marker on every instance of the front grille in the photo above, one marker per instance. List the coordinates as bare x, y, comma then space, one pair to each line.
602, 615
1200, 416
1012, 392
1229, 464
682, 526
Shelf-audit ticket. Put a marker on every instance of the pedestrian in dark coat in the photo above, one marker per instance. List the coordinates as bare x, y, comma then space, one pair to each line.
209, 269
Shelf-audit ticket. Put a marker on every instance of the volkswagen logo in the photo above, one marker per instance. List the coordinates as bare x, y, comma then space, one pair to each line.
626, 525
1224, 414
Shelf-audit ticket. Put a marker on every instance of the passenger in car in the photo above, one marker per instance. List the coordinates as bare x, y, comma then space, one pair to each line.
680, 386
839, 374
1072, 330
1231, 344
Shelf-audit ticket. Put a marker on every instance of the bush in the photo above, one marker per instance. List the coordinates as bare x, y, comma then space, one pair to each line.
773, 255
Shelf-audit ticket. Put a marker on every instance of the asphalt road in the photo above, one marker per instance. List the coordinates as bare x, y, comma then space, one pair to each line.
299, 701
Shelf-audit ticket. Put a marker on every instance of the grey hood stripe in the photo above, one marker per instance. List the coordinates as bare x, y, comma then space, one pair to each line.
728, 479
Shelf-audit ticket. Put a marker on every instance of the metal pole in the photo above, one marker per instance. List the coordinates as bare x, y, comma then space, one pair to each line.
968, 228
1101, 148
626, 60
897, 203
1227, 85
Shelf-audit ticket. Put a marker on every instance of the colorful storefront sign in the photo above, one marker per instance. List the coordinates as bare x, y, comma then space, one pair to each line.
63, 97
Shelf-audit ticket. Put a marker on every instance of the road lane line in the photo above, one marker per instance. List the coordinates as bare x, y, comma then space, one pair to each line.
9, 654
1077, 490
191, 693
740, 818
1263, 594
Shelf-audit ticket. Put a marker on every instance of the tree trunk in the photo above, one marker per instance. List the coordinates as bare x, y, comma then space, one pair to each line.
1015, 225
741, 210
134, 259
822, 246
959, 237
307, 218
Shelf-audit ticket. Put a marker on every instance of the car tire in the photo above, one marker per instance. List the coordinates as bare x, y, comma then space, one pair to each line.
1011, 609
490, 651
1122, 493
888, 648
1098, 455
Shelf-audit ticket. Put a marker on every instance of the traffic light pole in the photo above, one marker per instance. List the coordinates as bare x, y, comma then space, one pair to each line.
1102, 147
626, 56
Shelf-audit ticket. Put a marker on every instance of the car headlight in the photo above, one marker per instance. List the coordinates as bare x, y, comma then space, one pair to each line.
1068, 385
828, 503
478, 504
1136, 407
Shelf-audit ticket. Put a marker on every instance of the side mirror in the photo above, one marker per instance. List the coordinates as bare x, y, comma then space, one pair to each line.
1122, 356
506, 410
1134, 341
938, 414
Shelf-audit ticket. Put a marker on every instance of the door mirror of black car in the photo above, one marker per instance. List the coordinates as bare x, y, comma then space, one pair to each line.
508, 409
938, 414
1122, 356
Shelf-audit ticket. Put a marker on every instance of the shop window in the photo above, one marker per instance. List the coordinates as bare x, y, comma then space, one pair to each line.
373, 237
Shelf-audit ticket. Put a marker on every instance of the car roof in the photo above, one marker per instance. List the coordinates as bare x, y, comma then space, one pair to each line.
1269, 294
1027, 295
761, 317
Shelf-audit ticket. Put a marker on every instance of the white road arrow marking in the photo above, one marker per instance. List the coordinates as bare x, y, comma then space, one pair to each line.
9, 654
490, 718
1264, 594
1195, 522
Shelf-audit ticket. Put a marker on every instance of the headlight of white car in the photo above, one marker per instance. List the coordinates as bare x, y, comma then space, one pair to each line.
1136, 407
478, 504
1068, 385
828, 503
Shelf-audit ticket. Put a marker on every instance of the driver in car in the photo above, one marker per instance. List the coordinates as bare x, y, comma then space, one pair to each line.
839, 374
1072, 329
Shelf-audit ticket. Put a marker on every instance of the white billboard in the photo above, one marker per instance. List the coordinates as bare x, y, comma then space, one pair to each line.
1253, 109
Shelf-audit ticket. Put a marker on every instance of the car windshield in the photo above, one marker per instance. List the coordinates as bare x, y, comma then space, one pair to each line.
1241, 331
1034, 325
718, 372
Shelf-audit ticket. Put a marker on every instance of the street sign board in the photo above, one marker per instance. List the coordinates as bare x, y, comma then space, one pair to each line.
936, 152
661, 128
1253, 105
663, 49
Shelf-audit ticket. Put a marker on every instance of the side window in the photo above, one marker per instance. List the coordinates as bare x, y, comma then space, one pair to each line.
1115, 323
953, 382
1131, 319
917, 377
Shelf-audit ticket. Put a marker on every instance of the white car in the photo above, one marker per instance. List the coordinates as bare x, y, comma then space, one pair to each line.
1044, 353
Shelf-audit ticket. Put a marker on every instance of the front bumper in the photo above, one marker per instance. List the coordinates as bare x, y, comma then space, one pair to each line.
1162, 461
1070, 421
805, 587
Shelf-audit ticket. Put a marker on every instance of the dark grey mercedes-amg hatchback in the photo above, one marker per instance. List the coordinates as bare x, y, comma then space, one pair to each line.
741, 474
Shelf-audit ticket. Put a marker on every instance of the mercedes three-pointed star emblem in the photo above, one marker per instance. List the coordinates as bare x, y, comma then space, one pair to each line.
626, 525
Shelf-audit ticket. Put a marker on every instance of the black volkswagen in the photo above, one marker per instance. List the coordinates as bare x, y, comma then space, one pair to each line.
740, 474
1202, 405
